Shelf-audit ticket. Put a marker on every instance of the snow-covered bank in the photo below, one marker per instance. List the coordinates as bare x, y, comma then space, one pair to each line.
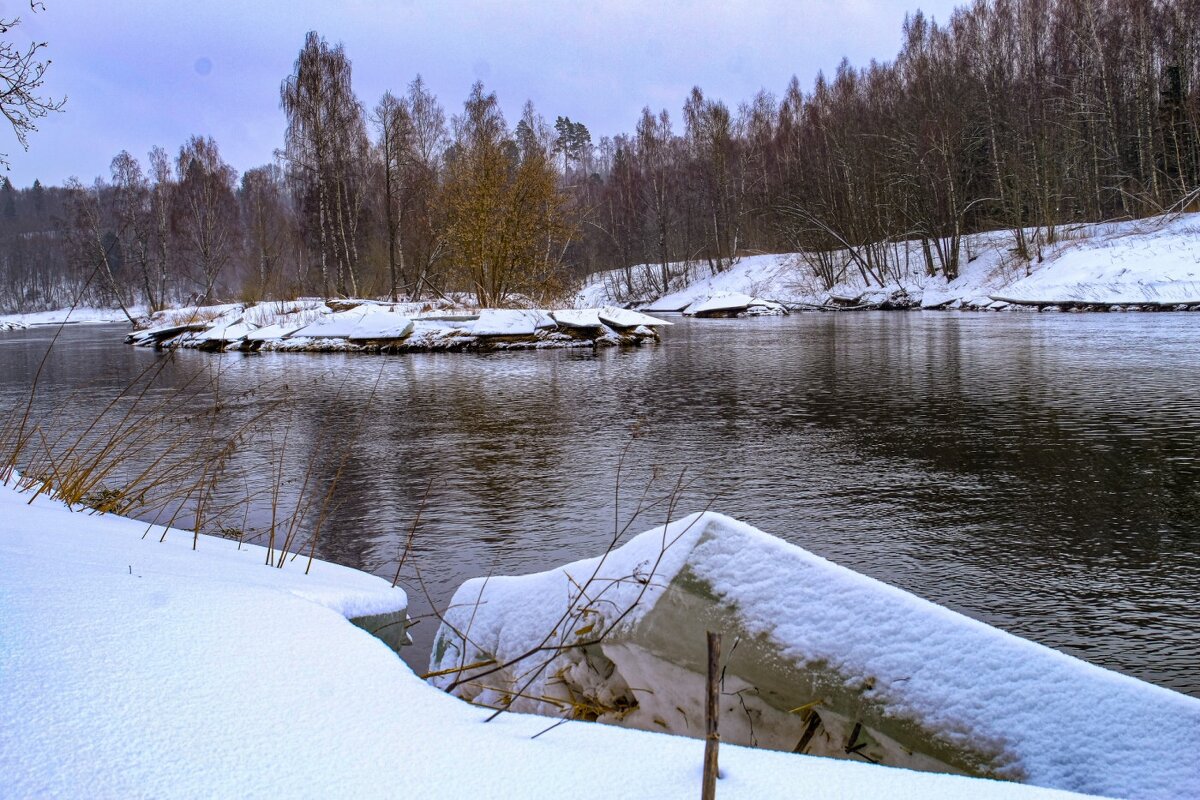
67, 316
826, 661
130, 667
371, 326
1149, 264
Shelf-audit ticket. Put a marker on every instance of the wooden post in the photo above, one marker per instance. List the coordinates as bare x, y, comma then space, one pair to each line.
712, 709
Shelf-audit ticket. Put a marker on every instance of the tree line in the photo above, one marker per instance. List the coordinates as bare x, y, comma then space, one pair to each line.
1023, 115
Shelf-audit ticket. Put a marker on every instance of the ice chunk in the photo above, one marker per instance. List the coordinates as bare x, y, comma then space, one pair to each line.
382, 325
624, 318
335, 325
578, 318
510, 322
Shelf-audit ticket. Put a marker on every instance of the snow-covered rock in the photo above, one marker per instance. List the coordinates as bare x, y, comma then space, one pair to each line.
510, 322
624, 318
820, 660
733, 304
585, 318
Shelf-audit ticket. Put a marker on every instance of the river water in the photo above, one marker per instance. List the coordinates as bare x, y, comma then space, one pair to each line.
1038, 472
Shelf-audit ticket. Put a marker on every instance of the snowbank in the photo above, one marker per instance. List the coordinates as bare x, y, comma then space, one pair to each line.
68, 316
1150, 264
826, 661
132, 667
1126, 267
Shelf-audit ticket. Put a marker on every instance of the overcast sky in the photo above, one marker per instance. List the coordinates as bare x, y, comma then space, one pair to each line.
141, 73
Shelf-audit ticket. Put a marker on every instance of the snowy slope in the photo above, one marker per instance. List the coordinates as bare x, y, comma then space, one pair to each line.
1144, 262
1127, 266
133, 668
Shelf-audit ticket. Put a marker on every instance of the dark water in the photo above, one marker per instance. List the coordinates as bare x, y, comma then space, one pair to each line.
1037, 472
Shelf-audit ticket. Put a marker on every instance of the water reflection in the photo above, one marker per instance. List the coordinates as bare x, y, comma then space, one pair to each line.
1037, 472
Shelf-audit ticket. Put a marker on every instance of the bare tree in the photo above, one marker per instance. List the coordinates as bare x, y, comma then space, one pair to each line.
205, 219
22, 72
394, 125
326, 149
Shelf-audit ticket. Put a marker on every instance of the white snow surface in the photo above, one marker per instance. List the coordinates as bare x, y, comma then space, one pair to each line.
1126, 266
70, 316
1151, 261
335, 324
578, 318
624, 318
510, 322
130, 667
1057, 721
382, 324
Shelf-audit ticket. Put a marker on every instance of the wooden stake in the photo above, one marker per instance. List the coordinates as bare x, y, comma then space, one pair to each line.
712, 739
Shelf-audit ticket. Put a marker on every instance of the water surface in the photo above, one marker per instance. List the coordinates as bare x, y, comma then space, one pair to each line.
1037, 472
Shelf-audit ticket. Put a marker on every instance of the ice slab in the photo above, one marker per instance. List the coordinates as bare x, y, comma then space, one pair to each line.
510, 322
624, 318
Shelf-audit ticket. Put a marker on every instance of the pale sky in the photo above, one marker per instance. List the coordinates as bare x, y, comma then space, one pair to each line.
141, 73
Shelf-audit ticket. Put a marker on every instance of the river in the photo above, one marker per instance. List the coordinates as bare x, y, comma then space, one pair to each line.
1039, 472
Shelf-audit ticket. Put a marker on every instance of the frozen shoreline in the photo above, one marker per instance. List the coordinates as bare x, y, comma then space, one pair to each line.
1143, 265
134, 667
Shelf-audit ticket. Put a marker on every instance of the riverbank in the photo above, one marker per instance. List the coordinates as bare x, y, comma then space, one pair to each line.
140, 667
1142, 265
68, 316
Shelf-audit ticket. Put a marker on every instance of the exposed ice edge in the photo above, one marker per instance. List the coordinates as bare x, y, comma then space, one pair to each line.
369, 326
932, 689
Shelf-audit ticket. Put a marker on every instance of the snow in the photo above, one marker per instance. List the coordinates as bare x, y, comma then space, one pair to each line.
334, 325
578, 318
225, 332
134, 667
980, 698
1152, 262
510, 322
382, 324
624, 318
70, 316
1125, 267
733, 302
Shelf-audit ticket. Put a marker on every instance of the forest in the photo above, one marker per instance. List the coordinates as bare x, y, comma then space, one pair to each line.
1019, 115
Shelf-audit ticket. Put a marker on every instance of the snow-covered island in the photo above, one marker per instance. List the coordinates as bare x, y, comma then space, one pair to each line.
142, 661
1143, 265
373, 326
